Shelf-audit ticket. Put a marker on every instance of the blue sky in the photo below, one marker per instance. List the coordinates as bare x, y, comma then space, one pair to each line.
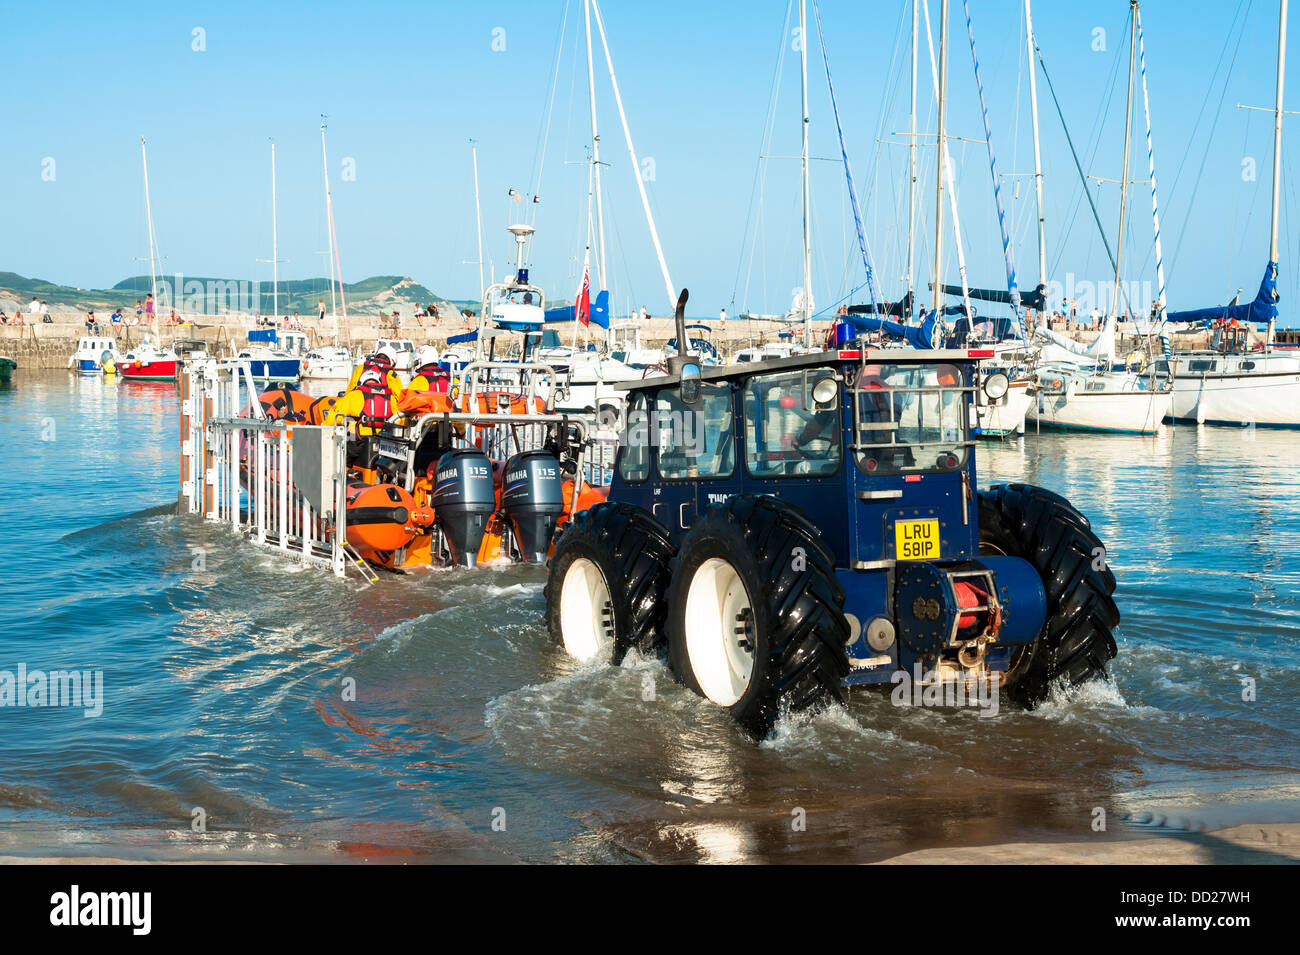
407, 85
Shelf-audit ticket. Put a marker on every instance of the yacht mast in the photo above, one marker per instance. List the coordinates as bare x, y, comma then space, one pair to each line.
334, 244
1123, 181
1277, 131
631, 151
1277, 150
329, 226
1151, 168
939, 163
153, 273
951, 182
911, 164
595, 155
478, 220
807, 203
1038, 160
275, 257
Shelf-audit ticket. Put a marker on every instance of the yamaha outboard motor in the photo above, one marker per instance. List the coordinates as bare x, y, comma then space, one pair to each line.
532, 500
464, 497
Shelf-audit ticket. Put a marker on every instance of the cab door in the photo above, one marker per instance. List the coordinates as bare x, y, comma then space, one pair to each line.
695, 455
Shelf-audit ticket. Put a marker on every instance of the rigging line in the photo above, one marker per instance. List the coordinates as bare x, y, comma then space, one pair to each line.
1083, 179
1240, 20
886, 94
863, 245
1191, 202
1094, 136
550, 106
1218, 65
1012, 288
760, 167
1236, 248
840, 301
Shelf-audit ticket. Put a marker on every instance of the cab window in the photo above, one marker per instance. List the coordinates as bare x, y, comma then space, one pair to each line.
786, 435
695, 442
911, 418
634, 454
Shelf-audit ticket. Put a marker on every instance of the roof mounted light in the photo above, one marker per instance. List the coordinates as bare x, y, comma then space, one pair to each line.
996, 385
824, 392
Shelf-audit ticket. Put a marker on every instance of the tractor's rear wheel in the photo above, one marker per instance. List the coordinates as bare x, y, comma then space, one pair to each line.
607, 582
1077, 639
755, 614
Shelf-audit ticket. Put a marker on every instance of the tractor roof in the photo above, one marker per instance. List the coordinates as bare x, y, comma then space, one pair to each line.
892, 356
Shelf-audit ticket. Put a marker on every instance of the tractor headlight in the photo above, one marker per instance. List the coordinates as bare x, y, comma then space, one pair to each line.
824, 392
996, 385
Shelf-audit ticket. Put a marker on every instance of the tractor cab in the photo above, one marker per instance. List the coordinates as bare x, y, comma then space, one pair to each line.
883, 436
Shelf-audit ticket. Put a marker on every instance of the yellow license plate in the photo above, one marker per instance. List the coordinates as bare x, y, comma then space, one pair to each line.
916, 540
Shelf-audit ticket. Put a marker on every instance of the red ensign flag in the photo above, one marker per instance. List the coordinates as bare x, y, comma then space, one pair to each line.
582, 307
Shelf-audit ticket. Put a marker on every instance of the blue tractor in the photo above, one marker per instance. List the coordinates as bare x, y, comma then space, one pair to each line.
786, 529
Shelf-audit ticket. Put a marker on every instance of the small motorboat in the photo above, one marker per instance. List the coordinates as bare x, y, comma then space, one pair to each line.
93, 353
401, 351
330, 363
148, 362
7, 367
700, 344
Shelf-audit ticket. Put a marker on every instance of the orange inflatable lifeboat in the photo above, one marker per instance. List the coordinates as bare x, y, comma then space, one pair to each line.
285, 404
416, 403
383, 517
497, 402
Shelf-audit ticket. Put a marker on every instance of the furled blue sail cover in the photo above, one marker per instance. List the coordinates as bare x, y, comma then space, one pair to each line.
1261, 311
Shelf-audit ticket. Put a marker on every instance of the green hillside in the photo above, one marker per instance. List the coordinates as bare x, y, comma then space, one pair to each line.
385, 292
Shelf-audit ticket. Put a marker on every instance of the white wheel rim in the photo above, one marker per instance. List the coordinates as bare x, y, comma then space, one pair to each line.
586, 611
718, 625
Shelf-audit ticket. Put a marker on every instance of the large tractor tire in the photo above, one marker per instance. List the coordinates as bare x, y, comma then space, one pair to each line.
605, 593
755, 615
1077, 640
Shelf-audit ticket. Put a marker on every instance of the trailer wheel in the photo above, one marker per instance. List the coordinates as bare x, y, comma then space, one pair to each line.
607, 581
1077, 639
755, 614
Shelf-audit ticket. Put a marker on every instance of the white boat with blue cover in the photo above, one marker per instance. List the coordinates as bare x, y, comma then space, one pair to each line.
272, 355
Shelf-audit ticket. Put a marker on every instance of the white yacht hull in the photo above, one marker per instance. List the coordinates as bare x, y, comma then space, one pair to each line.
1133, 412
1271, 398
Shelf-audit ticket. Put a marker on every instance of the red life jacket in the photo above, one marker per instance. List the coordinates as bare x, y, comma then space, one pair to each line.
373, 384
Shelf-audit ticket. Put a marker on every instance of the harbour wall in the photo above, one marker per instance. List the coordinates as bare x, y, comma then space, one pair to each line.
51, 345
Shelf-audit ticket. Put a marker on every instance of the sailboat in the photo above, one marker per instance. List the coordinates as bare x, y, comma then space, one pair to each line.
1001, 387
149, 362
1078, 386
585, 379
1232, 383
802, 306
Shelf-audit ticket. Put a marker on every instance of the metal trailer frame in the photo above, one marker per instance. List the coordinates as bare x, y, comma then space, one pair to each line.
270, 510
237, 467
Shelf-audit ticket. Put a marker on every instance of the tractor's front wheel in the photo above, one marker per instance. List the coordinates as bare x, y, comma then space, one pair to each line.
607, 581
1077, 641
755, 614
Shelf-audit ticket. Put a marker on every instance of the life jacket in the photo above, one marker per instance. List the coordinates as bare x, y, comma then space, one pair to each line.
435, 378
377, 406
